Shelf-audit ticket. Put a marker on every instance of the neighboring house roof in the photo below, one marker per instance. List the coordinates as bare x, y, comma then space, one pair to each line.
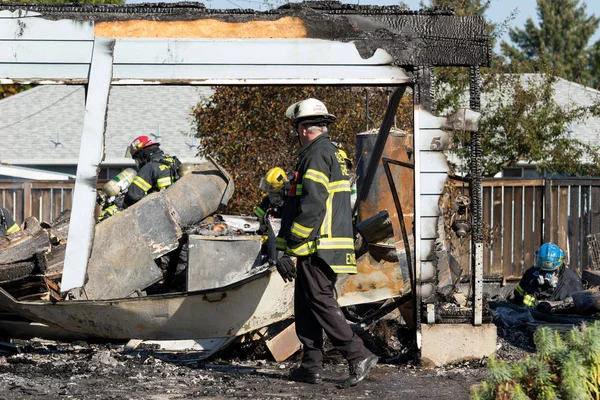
33, 121
567, 93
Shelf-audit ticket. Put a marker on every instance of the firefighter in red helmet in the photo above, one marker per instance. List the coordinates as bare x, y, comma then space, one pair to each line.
156, 170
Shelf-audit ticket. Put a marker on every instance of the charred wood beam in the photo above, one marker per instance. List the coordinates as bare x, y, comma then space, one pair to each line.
16, 271
412, 38
17, 249
476, 200
425, 88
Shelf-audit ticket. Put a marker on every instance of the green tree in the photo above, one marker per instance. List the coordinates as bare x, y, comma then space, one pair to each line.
522, 122
561, 41
520, 119
245, 128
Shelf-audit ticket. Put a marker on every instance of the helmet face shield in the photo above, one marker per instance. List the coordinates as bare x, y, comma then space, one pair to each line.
138, 143
129, 152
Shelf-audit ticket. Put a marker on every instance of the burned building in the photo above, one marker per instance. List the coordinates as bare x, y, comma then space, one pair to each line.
311, 43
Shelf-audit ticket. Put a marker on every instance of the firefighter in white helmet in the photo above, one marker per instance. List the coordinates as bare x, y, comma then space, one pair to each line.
316, 227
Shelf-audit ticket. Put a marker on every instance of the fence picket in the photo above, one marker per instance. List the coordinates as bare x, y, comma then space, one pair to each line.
574, 228
487, 222
518, 231
507, 232
526, 212
563, 217
585, 226
528, 229
496, 267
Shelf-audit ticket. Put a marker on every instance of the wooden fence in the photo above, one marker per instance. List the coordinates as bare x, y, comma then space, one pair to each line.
41, 199
523, 212
528, 212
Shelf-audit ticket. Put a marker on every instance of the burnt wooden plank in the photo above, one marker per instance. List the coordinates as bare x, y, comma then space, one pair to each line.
15, 271
585, 226
507, 232
528, 230
518, 231
487, 224
563, 217
20, 246
538, 234
497, 246
574, 238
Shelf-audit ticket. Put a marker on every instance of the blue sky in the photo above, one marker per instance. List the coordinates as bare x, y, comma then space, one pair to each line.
498, 12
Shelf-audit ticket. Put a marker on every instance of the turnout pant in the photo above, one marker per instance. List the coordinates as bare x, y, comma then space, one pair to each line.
316, 310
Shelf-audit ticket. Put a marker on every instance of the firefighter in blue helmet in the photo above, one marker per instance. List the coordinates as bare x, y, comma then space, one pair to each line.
550, 279
156, 170
316, 228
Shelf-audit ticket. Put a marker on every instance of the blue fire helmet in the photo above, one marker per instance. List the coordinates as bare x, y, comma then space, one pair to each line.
549, 257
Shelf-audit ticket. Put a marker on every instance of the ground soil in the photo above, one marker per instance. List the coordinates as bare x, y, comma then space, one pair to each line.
48, 370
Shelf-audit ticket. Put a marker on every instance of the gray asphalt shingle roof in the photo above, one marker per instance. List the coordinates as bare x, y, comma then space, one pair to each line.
31, 121
568, 93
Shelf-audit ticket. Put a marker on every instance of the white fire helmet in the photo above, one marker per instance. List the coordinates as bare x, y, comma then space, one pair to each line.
309, 110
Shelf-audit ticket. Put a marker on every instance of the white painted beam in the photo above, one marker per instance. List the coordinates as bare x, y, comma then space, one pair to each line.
81, 230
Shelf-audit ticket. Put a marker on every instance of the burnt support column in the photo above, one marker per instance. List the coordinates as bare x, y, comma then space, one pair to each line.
425, 89
476, 201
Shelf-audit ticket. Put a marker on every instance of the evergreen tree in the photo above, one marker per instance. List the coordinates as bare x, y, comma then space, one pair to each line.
561, 41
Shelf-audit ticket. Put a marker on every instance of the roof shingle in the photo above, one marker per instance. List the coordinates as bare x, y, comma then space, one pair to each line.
33, 120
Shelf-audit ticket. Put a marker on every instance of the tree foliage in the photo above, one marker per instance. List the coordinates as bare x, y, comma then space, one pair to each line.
564, 367
521, 121
245, 128
561, 41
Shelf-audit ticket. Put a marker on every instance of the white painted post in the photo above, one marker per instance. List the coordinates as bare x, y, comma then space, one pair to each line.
91, 153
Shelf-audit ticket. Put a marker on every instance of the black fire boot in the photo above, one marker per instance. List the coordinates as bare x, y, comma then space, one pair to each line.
360, 370
299, 374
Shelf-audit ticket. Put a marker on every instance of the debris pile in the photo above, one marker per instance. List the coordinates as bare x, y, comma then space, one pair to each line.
31, 261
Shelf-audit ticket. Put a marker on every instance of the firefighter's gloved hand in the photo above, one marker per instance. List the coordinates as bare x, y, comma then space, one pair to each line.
286, 268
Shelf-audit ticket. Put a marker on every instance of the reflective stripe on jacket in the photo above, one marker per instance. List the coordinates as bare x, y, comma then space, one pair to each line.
317, 216
8, 225
154, 176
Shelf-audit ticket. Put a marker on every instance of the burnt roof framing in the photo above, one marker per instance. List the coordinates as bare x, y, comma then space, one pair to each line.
376, 46
413, 38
